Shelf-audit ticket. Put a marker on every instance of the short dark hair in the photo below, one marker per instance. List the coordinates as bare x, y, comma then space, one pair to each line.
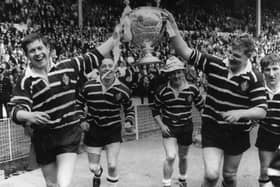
246, 42
270, 59
106, 58
31, 38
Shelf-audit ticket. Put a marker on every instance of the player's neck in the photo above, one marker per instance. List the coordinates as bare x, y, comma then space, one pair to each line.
274, 87
42, 71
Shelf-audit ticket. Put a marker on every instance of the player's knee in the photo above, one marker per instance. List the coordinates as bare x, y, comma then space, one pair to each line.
182, 154
94, 168
229, 177
274, 170
212, 176
183, 157
263, 173
63, 184
51, 184
112, 169
170, 158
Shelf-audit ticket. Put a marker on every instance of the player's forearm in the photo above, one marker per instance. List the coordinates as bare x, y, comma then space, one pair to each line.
21, 116
106, 47
159, 121
254, 113
181, 47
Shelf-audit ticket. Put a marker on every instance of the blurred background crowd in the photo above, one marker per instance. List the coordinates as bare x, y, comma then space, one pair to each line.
207, 26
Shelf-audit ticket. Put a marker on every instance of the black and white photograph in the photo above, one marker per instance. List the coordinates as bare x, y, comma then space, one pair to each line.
139, 93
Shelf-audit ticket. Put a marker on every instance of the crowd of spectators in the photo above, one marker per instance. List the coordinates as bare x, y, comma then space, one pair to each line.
209, 30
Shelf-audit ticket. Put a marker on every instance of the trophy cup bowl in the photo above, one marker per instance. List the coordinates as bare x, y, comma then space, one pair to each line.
147, 25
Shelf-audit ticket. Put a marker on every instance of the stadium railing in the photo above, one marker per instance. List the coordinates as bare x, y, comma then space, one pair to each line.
14, 144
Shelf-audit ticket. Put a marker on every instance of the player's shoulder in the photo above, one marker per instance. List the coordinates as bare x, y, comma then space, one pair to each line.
123, 86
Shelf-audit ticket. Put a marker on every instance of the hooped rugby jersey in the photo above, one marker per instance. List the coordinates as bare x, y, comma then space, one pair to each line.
176, 110
55, 96
272, 120
105, 105
225, 93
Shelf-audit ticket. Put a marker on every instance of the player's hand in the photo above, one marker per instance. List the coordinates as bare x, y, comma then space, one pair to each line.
232, 116
85, 126
37, 118
128, 127
171, 26
165, 130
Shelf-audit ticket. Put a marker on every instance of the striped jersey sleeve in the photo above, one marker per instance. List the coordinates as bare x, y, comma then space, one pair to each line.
272, 120
84, 64
80, 104
22, 97
203, 61
198, 99
157, 104
257, 93
127, 105
242, 91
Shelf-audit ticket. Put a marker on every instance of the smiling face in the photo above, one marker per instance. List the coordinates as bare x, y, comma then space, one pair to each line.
107, 67
241, 51
177, 77
237, 60
39, 54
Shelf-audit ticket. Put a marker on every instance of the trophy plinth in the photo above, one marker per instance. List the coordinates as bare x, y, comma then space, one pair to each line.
149, 59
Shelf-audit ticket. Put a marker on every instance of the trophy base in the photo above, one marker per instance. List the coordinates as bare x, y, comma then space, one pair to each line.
148, 59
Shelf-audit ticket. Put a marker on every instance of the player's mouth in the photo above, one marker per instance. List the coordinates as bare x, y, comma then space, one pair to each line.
39, 58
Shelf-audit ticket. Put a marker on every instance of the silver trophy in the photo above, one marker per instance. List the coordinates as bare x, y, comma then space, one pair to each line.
145, 27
